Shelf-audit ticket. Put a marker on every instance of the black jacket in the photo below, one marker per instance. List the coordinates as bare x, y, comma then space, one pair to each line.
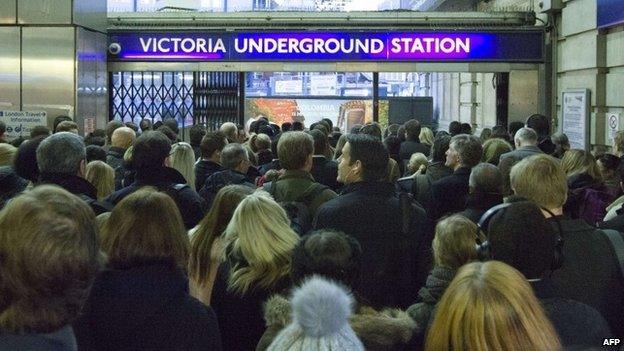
115, 156
168, 180
146, 307
203, 170
409, 147
590, 273
264, 157
577, 324
218, 180
325, 172
394, 266
478, 203
449, 194
240, 316
77, 186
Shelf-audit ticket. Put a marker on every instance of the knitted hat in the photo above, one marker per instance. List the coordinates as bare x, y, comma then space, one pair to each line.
321, 311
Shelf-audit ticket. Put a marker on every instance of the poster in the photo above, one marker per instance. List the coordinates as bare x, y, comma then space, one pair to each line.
323, 84
287, 87
575, 115
343, 113
19, 123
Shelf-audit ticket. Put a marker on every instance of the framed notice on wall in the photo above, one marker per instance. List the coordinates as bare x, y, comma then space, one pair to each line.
575, 116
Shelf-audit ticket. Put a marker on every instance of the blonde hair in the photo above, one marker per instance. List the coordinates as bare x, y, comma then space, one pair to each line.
490, 306
183, 160
493, 149
102, 176
144, 227
7, 152
541, 179
454, 242
418, 161
576, 161
260, 242
426, 136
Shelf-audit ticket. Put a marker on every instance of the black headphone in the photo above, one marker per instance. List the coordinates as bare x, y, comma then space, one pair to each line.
483, 248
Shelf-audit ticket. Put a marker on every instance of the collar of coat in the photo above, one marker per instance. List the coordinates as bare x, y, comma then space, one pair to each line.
385, 330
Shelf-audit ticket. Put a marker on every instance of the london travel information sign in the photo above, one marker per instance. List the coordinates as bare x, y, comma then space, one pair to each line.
523, 46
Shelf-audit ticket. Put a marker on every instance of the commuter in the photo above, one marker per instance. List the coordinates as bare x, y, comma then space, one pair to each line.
297, 126
525, 141
335, 256
426, 136
151, 162
588, 197
121, 139
11, 184
25, 159
196, 134
37, 131
169, 133
513, 128
183, 160
295, 151
102, 177
61, 158
449, 194
230, 131
145, 125
466, 129
493, 148
324, 169
110, 129
261, 145
562, 144
394, 168
7, 153
132, 126
541, 125
454, 128
485, 191
334, 136
50, 256
141, 302
393, 144
500, 132
58, 121
412, 143
207, 243
453, 246
172, 124
486, 133
519, 235
235, 162
590, 273
321, 311
211, 146
392, 129
392, 232
258, 247
95, 153
339, 145
67, 126
286, 127
608, 166
490, 306
417, 164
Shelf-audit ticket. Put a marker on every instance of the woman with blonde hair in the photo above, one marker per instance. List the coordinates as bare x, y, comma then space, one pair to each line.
183, 160
493, 148
426, 136
490, 306
207, 246
142, 302
102, 176
258, 247
453, 246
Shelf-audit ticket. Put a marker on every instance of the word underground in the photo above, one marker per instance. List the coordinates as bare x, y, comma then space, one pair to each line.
399, 45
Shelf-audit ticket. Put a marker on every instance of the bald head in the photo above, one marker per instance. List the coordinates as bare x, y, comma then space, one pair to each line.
123, 137
230, 130
525, 137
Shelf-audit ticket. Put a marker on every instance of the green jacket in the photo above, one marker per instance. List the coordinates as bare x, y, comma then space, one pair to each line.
297, 185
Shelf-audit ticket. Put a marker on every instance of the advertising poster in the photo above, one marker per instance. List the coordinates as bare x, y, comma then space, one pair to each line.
19, 123
288, 87
575, 117
343, 113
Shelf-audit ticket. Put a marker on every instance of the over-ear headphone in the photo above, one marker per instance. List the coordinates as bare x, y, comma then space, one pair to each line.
483, 248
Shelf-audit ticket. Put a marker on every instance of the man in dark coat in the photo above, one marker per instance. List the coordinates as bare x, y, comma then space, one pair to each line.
590, 272
412, 143
235, 161
394, 236
525, 141
211, 146
62, 161
121, 139
324, 170
449, 194
150, 159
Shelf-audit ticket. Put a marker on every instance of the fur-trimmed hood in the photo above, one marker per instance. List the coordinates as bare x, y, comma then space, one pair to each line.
386, 330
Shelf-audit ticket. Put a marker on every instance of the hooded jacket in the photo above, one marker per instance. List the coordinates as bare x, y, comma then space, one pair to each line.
378, 331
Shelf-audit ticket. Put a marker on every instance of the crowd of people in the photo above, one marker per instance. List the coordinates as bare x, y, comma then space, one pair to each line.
267, 237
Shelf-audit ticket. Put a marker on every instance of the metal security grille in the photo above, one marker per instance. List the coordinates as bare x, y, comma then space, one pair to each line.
216, 99
153, 95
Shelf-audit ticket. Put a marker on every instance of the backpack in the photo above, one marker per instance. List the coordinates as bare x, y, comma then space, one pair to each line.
298, 211
590, 204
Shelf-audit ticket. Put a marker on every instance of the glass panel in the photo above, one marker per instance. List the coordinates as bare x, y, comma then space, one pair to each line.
309, 84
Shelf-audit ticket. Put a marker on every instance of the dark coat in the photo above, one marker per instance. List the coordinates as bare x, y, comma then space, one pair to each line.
409, 147
478, 203
325, 171
449, 194
577, 324
264, 156
77, 186
274, 164
508, 159
240, 316
218, 180
590, 273
169, 180
60, 340
203, 170
115, 156
146, 307
394, 265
